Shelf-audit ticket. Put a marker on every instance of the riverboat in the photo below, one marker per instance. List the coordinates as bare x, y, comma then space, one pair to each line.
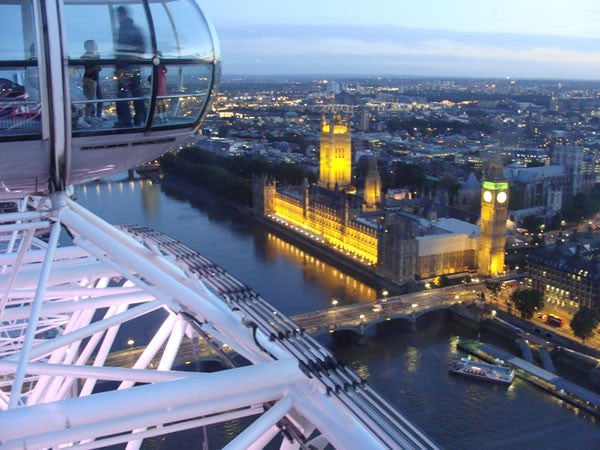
482, 371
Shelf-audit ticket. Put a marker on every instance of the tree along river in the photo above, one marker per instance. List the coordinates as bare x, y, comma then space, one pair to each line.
410, 369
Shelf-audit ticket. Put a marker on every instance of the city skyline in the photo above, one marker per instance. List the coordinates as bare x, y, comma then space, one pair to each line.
465, 39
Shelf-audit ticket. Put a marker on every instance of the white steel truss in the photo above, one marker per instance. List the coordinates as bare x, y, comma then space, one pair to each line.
62, 309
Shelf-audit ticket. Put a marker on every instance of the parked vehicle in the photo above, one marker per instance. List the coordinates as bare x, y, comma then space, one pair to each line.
510, 284
555, 320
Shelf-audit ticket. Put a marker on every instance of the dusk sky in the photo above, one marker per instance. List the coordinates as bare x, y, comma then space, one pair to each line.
526, 38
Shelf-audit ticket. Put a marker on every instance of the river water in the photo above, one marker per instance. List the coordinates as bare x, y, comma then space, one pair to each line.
408, 368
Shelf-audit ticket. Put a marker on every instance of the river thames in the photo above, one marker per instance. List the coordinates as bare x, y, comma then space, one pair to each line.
410, 369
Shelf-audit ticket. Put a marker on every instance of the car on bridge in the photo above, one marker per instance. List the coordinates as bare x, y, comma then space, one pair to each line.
386, 304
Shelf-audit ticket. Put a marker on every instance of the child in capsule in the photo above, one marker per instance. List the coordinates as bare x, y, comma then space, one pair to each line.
161, 89
90, 77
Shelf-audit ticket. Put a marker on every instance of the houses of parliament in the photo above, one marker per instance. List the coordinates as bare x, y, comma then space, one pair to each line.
389, 237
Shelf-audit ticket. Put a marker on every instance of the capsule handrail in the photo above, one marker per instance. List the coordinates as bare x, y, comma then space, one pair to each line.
19, 103
112, 99
108, 100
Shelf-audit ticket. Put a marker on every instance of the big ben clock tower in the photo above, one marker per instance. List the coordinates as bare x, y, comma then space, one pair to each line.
494, 212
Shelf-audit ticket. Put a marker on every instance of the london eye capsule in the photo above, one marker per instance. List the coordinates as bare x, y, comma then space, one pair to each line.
94, 87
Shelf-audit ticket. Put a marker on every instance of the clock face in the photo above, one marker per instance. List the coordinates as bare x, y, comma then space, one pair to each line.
501, 197
487, 196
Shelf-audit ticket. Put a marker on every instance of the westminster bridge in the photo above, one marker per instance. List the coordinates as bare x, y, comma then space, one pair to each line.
357, 319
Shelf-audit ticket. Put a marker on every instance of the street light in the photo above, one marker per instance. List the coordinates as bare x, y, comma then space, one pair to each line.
428, 285
362, 317
414, 305
130, 342
385, 293
334, 302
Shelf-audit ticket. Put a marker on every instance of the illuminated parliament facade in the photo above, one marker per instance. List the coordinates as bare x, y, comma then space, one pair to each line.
398, 244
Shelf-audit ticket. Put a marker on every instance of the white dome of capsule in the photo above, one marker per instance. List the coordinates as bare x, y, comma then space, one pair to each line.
94, 87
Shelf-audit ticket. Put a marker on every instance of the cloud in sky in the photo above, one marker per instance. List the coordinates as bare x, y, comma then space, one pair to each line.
397, 50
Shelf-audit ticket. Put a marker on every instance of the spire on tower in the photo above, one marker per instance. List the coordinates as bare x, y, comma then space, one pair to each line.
372, 194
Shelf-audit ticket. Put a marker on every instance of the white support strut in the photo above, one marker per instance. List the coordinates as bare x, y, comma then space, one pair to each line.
81, 411
33, 319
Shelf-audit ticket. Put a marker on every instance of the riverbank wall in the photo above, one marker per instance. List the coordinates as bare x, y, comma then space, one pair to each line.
325, 253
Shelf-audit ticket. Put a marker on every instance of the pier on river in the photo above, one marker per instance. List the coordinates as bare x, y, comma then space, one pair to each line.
557, 386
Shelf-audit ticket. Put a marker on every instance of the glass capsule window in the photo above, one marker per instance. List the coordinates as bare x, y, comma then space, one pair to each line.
115, 98
137, 65
181, 94
110, 61
180, 32
20, 105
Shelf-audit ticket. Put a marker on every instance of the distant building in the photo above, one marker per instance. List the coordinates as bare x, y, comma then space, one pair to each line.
397, 248
469, 194
571, 158
372, 191
538, 186
447, 246
335, 153
568, 273
398, 194
364, 119
526, 156
550, 186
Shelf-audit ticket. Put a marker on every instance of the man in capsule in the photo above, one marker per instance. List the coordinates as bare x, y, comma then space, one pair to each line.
130, 46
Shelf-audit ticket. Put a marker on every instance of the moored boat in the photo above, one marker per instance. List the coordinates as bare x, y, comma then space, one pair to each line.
482, 371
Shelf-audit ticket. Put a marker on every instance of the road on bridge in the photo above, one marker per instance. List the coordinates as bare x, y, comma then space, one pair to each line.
327, 319
363, 313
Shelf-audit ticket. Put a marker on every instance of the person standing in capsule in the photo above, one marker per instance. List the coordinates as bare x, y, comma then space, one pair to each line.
90, 77
130, 46
161, 90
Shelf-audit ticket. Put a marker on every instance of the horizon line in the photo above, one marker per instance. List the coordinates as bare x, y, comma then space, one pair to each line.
402, 76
